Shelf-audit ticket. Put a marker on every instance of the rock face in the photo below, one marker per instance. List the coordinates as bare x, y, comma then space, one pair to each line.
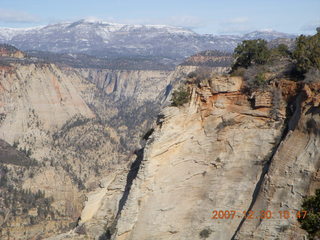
23, 99
225, 84
141, 85
200, 158
292, 173
221, 152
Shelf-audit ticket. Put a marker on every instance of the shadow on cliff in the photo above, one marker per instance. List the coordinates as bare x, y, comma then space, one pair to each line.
134, 169
133, 172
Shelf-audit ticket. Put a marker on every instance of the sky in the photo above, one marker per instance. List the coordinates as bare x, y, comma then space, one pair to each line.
201, 16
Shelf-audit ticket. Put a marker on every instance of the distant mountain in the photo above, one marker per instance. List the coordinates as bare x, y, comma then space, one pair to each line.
104, 39
267, 35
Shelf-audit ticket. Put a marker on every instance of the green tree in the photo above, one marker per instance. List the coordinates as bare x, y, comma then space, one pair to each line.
251, 52
307, 53
311, 223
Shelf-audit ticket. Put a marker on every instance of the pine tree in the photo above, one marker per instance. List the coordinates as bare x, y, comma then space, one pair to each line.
251, 52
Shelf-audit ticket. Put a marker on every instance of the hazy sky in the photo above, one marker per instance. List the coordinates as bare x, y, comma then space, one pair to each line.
202, 16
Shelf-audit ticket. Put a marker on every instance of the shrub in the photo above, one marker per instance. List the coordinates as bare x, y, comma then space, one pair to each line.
15, 144
192, 75
311, 223
81, 229
205, 233
180, 97
199, 75
260, 79
279, 53
255, 78
251, 52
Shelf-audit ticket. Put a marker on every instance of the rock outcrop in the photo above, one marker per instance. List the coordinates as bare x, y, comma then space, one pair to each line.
226, 151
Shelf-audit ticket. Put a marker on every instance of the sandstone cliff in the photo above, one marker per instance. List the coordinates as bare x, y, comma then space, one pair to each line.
292, 175
226, 151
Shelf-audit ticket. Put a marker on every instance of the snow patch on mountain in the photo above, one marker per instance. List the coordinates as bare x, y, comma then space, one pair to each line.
104, 39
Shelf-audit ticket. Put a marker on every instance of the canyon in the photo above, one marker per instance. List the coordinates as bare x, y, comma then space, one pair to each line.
98, 153
79, 130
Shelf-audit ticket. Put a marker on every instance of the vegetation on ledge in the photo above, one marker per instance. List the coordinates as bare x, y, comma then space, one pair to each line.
180, 97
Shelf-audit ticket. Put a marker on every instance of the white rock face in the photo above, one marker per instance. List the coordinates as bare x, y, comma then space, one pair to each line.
51, 96
293, 174
202, 158
212, 155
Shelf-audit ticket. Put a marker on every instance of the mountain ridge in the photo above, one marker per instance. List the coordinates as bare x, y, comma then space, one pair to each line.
108, 40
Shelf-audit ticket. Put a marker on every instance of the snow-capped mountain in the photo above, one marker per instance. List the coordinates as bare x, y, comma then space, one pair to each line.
106, 39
